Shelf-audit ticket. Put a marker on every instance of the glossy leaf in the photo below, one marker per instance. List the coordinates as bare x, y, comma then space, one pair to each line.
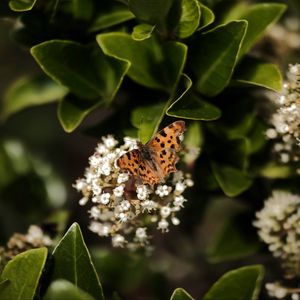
72, 261
181, 294
207, 16
115, 16
259, 17
142, 32
86, 71
231, 180
261, 74
152, 64
214, 55
21, 5
72, 111
63, 289
189, 19
23, 273
240, 284
28, 92
191, 106
146, 119
150, 11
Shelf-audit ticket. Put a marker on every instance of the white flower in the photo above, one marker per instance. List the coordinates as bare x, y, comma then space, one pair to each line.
125, 205
104, 198
141, 234
163, 225
100, 229
95, 212
119, 190
148, 205
123, 177
175, 221
118, 240
109, 142
162, 190
122, 207
165, 211
179, 200
278, 226
179, 188
142, 192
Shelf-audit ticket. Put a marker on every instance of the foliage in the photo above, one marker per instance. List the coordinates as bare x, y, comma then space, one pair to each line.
129, 67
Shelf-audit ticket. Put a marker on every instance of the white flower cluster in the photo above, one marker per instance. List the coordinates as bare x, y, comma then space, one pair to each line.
279, 291
286, 120
278, 226
121, 207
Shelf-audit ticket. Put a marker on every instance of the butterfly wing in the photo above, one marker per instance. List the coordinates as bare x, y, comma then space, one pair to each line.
130, 161
149, 173
164, 145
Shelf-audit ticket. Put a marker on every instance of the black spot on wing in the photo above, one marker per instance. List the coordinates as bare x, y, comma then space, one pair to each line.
163, 133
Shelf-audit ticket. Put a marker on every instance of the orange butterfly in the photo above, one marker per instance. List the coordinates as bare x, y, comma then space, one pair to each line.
152, 162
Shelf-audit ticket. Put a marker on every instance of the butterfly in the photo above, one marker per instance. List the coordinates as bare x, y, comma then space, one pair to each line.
154, 161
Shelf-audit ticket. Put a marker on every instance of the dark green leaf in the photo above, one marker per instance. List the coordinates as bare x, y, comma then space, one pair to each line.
258, 73
226, 238
146, 119
23, 273
189, 19
106, 19
257, 137
28, 92
150, 11
63, 289
153, 65
207, 16
181, 294
191, 106
21, 5
240, 284
72, 261
259, 17
142, 32
231, 180
214, 55
72, 110
86, 71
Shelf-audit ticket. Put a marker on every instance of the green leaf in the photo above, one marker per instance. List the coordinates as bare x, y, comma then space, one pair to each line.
257, 137
28, 92
273, 171
150, 11
86, 71
153, 65
23, 272
240, 284
231, 180
259, 17
226, 238
258, 73
207, 16
146, 119
72, 261
142, 32
181, 294
189, 19
63, 289
190, 106
115, 16
72, 111
21, 5
214, 55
